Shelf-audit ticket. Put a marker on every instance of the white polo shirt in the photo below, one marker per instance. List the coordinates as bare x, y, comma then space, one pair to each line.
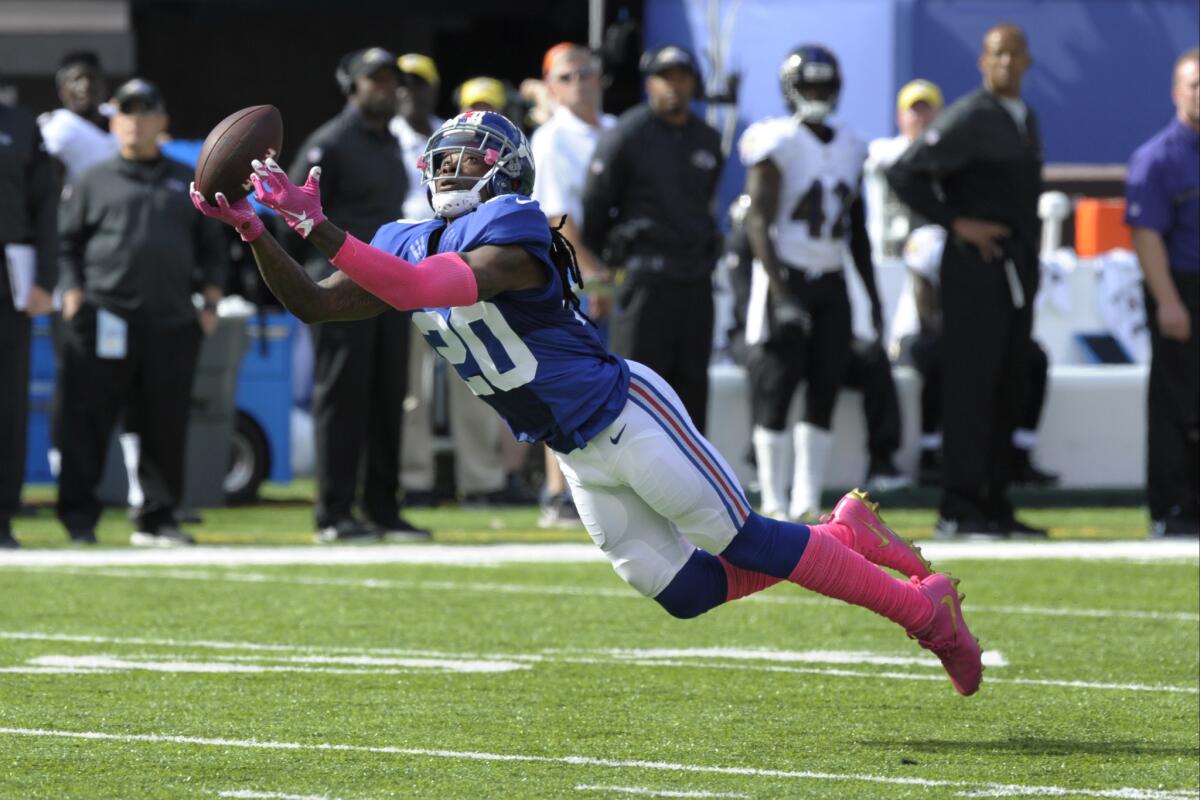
562, 150
76, 142
412, 144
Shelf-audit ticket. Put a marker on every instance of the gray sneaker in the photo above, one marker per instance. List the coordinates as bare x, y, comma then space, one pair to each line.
949, 528
347, 530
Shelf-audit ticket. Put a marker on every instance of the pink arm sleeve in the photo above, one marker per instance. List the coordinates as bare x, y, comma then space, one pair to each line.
438, 281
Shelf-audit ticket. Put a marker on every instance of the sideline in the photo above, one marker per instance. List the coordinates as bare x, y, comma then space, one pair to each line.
1138, 551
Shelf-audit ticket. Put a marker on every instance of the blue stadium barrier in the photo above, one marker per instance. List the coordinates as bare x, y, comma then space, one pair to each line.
264, 392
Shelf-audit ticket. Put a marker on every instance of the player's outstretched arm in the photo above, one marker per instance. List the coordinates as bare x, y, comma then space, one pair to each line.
437, 281
335, 298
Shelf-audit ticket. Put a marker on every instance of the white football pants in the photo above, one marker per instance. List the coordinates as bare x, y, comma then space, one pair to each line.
650, 489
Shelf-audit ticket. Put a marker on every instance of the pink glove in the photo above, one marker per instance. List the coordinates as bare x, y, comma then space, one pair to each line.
240, 215
300, 206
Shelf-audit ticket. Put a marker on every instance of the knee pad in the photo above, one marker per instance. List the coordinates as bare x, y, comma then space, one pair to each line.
699, 586
643, 567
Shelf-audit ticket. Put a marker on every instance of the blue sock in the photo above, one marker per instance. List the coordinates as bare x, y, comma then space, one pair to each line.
697, 587
767, 545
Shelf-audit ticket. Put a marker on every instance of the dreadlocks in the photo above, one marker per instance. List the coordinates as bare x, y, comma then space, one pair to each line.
562, 253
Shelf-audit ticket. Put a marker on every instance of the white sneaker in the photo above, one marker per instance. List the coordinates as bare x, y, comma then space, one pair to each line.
163, 536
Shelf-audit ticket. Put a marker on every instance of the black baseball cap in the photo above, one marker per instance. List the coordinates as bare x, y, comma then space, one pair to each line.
368, 61
136, 95
661, 59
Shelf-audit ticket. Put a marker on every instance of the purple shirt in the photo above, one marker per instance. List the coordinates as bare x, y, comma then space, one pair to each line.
1162, 192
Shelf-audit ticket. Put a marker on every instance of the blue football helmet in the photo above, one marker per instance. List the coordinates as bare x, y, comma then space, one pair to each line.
811, 81
491, 137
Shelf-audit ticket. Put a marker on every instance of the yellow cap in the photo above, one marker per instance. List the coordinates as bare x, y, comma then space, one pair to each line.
482, 90
421, 66
919, 91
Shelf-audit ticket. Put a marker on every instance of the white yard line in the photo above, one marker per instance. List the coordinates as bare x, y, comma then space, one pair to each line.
1127, 793
1139, 550
556, 590
990, 679
719, 658
397, 666
252, 795
647, 792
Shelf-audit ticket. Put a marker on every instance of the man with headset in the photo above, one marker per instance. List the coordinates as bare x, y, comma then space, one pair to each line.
648, 211
360, 368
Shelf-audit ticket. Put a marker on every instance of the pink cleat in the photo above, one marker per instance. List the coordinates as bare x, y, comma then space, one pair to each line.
947, 636
874, 540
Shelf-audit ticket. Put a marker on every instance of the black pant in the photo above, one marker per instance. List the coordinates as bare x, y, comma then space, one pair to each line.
818, 355
1173, 412
156, 374
926, 353
668, 326
986, 348
360, 376
14, 405
870, 371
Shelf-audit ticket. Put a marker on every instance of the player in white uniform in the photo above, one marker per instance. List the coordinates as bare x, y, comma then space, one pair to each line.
804, 180
77, 134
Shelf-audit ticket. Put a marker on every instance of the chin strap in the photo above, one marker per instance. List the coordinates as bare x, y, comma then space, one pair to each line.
460, 201
439, 281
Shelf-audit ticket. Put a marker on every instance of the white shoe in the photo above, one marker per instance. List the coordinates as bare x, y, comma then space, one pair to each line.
164, 536
812, 448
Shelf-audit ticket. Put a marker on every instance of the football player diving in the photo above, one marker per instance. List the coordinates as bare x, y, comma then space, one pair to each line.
488, 283
803, 180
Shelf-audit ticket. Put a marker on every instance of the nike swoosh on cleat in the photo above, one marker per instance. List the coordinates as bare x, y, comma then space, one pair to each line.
617, 438
884, 541
948, 601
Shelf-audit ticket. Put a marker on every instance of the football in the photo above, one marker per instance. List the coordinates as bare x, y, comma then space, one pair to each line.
224, 162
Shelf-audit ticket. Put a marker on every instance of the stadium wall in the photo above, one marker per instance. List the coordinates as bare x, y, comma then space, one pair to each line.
1100, 79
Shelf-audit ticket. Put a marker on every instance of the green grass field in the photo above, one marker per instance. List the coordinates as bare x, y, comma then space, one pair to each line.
466, 677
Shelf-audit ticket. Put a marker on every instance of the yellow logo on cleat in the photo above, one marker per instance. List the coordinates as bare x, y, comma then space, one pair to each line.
883, 539
948, 601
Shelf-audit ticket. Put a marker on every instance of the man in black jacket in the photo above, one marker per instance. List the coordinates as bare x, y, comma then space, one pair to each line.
648, 208
977, 173
360, 368
130, 248
29, 248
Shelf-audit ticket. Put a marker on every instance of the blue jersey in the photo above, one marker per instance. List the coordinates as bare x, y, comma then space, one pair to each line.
534, 361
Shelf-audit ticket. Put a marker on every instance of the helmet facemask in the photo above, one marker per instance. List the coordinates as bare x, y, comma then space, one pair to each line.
501, 156
811, 88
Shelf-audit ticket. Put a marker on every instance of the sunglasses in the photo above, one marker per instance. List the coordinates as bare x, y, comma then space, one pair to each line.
581, 74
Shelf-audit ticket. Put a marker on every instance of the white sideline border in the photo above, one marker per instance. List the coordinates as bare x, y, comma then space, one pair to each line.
1138, 551
969, 788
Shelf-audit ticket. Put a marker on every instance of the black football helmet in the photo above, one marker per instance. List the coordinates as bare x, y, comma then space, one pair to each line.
811, 81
